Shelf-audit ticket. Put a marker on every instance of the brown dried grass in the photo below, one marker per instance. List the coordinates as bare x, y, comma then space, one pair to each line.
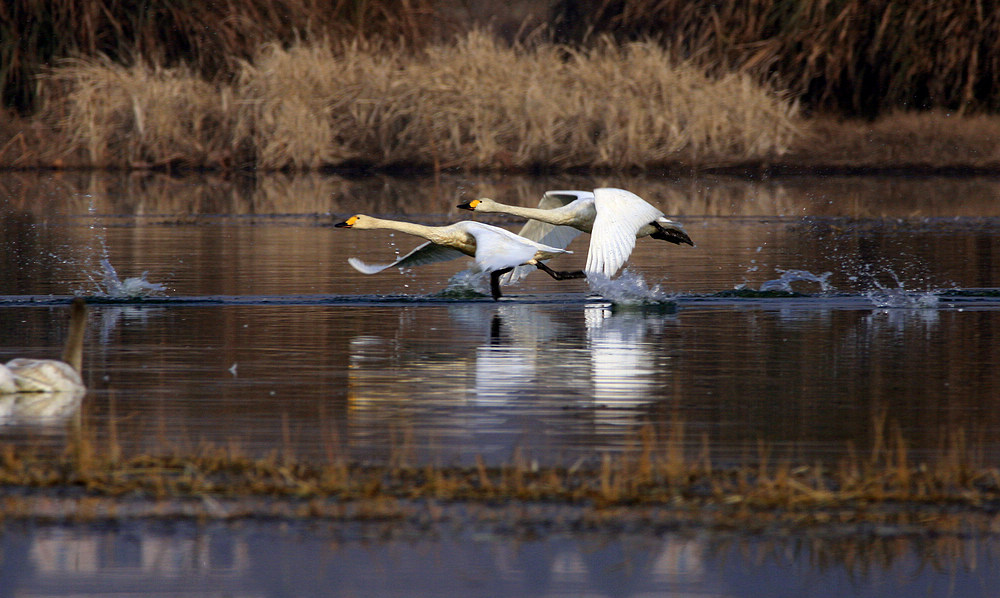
208, 37
474, 104
139, 116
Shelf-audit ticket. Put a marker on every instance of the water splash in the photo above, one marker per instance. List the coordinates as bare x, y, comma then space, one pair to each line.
784, 283
628, 289
466, 284
897, 296
130, 288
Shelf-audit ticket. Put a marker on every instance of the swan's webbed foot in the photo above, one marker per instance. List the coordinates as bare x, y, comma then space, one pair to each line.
670, 235
561, 274
495, 281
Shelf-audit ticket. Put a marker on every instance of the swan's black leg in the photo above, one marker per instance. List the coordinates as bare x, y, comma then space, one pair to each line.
561, 274
495, 281
673, 236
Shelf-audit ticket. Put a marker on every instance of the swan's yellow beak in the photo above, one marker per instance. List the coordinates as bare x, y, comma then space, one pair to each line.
469, 205
347, 223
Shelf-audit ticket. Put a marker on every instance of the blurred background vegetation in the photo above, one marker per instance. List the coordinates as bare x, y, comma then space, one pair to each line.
209, 36
852, 57
306, 84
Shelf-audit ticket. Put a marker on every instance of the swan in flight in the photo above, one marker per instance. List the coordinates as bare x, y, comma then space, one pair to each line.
26, 375
615, 218
495, 250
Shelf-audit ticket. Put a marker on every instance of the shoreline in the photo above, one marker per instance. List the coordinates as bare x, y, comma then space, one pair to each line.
907, 145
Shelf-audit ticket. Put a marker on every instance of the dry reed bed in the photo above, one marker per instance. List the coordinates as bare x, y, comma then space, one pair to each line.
475, 104
887, 484
210, 37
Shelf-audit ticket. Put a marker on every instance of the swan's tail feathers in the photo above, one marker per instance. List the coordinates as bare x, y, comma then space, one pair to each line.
427, 253
670, 231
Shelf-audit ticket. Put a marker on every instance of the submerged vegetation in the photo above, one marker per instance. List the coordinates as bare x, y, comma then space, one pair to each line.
654, 472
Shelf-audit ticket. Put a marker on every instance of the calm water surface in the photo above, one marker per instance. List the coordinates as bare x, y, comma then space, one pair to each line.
257, 559
264, 339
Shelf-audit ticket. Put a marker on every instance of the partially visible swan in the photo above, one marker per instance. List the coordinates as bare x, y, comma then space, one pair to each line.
26, 375
496, 250
615, 218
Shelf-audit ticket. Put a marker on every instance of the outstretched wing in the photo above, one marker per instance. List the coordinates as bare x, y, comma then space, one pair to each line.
428, 253
620, 215
545, 233
498, 248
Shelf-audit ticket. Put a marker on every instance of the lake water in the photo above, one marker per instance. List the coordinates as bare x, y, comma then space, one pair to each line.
263, 338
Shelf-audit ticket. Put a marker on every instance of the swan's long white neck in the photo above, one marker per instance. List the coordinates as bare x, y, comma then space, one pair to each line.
448, 236
410, 228
73, 351
549, 216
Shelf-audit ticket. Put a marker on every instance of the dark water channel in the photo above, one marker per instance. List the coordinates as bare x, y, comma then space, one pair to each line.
254, 333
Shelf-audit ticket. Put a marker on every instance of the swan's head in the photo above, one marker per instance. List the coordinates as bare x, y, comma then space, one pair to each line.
354, 221
482, 204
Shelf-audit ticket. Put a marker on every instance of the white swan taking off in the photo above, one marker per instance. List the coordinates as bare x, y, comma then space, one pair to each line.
615, 218
23, 374
496, 250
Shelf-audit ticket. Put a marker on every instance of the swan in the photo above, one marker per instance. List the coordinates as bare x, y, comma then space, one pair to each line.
615, 218
26, 375
495, 250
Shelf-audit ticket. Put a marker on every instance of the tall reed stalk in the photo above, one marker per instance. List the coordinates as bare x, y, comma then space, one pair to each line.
851, 56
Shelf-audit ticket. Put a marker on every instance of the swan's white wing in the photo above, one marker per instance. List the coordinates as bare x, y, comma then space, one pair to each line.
428, 253
620, 215
551, 234
498, 248
7, 383
557, 199
44, 375
548, 234
495, 251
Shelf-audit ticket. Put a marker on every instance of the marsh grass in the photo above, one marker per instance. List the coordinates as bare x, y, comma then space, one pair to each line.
210, 38
665, 469
476, 104
141, 116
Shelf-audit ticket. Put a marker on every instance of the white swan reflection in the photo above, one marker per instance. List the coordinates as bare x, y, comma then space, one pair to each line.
623, 367
491, 377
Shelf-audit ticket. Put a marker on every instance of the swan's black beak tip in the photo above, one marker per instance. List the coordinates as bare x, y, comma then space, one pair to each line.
342, 225
465, 206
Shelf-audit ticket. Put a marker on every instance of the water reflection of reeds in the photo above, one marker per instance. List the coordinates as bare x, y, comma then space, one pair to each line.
865, 199
505, 562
